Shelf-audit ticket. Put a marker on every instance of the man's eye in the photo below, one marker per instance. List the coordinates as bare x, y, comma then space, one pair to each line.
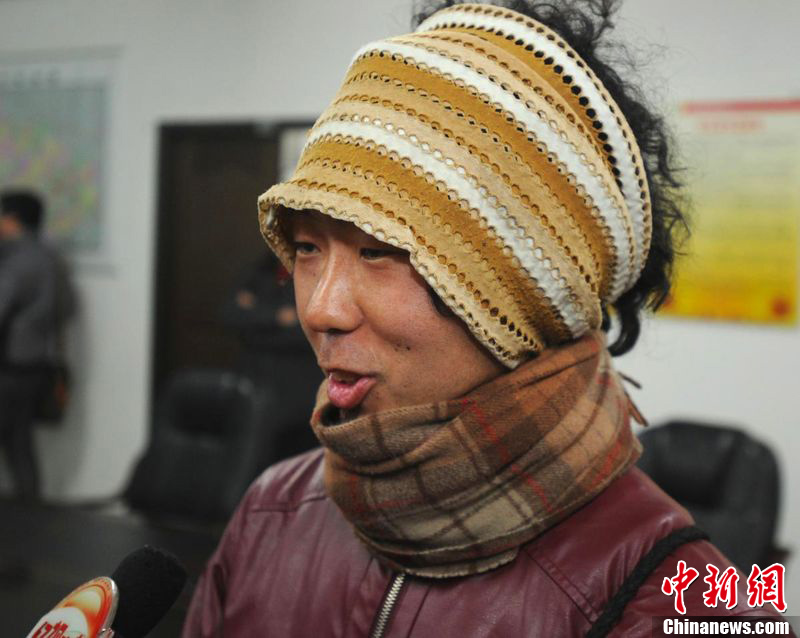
376, 253
304, 248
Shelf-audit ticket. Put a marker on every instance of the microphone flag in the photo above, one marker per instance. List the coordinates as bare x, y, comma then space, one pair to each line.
87, 612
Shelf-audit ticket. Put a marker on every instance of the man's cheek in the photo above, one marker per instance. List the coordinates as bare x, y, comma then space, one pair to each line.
401, 346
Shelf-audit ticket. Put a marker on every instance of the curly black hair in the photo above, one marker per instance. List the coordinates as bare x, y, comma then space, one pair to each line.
584, 25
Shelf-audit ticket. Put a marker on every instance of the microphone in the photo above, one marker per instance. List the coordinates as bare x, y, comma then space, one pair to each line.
127, 605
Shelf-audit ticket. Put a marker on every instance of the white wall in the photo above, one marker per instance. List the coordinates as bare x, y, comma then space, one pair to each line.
236, 60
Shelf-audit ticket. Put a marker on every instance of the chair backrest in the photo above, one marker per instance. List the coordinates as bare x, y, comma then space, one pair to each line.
726, 479
206, 447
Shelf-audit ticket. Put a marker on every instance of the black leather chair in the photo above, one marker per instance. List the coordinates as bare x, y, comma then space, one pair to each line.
207, 446
727, 480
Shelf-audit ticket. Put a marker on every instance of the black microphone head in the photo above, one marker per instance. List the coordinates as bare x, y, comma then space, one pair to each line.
149, 582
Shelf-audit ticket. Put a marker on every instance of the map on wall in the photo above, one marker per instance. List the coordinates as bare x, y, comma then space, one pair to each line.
53, 129
743, 257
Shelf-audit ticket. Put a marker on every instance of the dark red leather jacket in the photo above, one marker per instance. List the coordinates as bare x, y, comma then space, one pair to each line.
290, 566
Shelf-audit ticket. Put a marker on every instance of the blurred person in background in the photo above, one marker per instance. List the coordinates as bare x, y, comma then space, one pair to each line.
275, 353
485, 200
36, 299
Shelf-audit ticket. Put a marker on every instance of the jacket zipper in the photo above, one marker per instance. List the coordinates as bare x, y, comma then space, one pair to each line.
387, 605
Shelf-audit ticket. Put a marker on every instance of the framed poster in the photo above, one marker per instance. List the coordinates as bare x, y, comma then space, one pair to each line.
54, 122
744, 181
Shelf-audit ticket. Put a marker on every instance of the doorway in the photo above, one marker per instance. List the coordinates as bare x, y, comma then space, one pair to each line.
210, 176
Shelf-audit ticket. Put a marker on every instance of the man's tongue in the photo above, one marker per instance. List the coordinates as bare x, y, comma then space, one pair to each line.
346, 392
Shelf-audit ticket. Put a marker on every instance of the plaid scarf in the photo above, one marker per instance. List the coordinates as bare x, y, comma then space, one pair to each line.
456, 487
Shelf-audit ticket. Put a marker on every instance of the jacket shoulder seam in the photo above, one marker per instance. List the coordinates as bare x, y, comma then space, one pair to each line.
288, 506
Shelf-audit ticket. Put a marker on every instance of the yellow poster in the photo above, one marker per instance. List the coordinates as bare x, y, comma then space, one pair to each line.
744, 181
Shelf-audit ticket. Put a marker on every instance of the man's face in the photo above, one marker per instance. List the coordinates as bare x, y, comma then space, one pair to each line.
9, 226
372, 324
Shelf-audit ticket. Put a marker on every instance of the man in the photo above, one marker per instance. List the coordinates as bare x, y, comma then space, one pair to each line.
466, 217
275, 352
35, 301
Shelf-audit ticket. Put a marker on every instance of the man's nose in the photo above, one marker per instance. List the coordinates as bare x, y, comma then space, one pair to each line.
333, 304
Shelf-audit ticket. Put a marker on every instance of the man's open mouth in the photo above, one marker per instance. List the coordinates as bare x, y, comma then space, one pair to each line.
346, 390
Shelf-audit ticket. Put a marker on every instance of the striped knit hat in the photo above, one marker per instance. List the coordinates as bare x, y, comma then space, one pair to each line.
485, 147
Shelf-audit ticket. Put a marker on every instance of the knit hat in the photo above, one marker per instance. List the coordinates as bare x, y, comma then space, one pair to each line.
485, 147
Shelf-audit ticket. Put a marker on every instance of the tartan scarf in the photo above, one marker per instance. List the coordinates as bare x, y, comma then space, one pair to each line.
456, 487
